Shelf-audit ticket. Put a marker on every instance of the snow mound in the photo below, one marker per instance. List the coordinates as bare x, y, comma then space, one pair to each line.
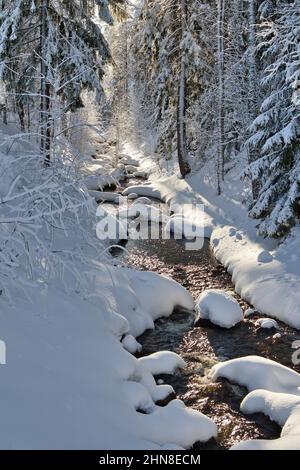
277, 406
94, 182
131, 345
194, 426
143, 200
255, 372
219, 308
132, 196
267, 323
168, 293
162, 362
107, 196
142, 190
249, 312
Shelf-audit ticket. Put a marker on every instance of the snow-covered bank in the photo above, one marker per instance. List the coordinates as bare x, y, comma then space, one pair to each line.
272, 287
275, 391
68, 318
265, 273
68, 375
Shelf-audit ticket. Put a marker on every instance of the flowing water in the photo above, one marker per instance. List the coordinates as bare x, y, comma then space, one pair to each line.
203, 346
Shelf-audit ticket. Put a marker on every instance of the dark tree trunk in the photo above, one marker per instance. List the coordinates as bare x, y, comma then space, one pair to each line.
221, 118
45, 88
181, 104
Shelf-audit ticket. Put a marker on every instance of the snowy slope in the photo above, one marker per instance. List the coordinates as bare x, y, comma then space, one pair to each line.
69, 383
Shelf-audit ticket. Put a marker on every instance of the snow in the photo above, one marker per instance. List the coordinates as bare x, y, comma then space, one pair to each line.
131, 345
165, 421
249, 312
219, 307
142, 190
267, 323
70, 379
264, 257
274, 391
168, 293
106, 196
79, 385
132, 196
255, 372
162, 362
277, 406
99, 182
271, 287
143, 200
266, 274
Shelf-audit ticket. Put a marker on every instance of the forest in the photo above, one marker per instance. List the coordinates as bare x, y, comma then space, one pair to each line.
150, 146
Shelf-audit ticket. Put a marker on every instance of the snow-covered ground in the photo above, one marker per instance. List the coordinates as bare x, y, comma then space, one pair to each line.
68, 381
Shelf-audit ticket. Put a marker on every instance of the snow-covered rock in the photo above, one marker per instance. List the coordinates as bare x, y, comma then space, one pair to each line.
132, 196
219, 307
249, 312
255, 372
98, 183
142, 190
143, 200
162, 362
194, 426
107, 196
277, 406
267, 323
131, 344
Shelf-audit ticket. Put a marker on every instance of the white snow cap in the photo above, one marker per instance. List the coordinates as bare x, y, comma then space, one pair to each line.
131, 345
267, 323
219, 307
162, 362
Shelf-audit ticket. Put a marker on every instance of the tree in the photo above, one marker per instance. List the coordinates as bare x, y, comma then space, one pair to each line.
276, 130
221, 113
59, 48
181, 100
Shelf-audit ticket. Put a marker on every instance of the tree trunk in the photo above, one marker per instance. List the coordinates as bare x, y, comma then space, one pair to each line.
181, 104
21, 114
221, 118
252, 90
45, 88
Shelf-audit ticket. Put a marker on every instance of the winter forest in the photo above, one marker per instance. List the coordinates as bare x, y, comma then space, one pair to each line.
150, 226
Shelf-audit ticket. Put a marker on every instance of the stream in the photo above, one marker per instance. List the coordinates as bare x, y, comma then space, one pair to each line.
203, 346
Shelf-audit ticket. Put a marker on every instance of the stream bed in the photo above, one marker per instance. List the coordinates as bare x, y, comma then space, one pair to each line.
202, 347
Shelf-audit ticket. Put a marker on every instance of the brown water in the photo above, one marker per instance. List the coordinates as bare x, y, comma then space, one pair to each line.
202, 347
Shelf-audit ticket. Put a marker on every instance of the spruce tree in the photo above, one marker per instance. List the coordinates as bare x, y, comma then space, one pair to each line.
276, 130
